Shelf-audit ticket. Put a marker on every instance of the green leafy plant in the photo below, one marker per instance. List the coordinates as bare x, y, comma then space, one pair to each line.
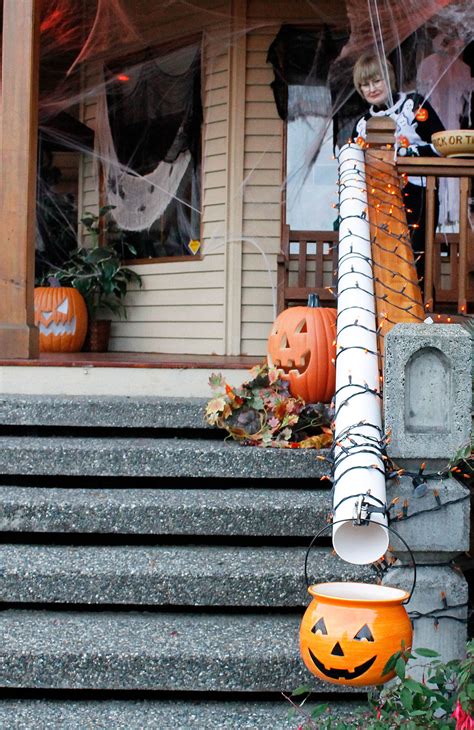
97, 271
443, 699
261, 412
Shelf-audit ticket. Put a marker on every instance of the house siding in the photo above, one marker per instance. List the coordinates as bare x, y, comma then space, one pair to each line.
179, 308
200, 296
263, 146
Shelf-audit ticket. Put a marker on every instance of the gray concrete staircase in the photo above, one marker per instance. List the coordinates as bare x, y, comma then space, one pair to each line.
151, 573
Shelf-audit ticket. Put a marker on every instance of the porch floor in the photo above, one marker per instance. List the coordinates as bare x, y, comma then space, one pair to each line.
135, 360
121, 374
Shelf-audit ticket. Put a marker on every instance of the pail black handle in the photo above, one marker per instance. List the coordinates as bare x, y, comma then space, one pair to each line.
390, 529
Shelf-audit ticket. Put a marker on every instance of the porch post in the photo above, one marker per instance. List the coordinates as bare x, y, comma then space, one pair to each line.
18, 150
235, 177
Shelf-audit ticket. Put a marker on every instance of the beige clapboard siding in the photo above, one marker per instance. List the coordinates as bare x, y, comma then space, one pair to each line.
172, 298
201, 312
173, 329
180, 307
262, 193
188, 346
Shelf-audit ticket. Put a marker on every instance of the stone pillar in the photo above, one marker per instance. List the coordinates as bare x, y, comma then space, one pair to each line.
427, 404
427, 393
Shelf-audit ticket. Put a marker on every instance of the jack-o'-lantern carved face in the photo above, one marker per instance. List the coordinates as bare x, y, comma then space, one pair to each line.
61, 316
302, 344
350, 644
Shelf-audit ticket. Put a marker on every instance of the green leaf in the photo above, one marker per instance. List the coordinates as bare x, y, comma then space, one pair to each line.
319, 710
256, 403
400, 668
406, 698
391, 663
426, 652
303, 689
414, 686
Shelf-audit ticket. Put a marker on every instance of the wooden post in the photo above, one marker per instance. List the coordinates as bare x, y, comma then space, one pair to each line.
18, 135
463, 242
429, 243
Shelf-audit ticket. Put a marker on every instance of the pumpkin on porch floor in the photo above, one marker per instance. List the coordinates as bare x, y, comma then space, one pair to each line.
302, 344
61, 316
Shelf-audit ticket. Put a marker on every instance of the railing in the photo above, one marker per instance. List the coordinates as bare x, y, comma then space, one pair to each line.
308, 259
458, 264
306, 264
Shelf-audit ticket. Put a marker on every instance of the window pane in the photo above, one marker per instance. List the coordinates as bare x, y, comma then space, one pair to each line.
311, 189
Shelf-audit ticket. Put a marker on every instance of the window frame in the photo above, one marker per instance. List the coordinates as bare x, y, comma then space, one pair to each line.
137, 57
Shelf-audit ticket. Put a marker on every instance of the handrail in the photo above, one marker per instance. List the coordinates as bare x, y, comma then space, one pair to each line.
431, 168
438, 166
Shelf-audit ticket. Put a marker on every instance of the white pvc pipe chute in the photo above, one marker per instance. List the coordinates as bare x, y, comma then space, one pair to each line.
359, 472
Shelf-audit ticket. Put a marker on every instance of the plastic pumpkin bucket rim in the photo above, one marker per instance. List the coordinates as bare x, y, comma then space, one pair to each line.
330, 524
339, 593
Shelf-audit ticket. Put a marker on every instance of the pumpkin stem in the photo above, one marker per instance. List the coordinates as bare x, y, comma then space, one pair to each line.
313, 300
54, 282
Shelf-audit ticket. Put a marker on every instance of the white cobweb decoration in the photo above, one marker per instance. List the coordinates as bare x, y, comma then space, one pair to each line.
138, 200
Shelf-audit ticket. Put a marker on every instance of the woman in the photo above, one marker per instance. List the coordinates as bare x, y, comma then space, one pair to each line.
415, 121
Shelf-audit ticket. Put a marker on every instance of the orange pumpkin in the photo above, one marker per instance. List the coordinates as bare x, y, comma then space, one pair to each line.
61, 316
350, 631
302, 344
421, 114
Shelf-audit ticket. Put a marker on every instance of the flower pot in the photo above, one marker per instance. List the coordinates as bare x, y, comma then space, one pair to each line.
350, 630
98, 335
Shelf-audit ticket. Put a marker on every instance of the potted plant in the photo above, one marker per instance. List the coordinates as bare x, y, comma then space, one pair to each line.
98, 274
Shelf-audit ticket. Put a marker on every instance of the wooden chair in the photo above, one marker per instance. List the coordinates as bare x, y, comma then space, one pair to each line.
301, 273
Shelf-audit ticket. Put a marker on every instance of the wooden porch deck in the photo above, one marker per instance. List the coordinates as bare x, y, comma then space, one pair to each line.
136, 360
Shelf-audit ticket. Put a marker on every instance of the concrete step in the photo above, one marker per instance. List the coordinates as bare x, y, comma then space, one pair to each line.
153, 651
185, 511
102, 411
155, 458
155, 714
193, 575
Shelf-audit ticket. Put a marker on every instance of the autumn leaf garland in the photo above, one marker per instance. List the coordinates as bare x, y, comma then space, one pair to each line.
261, 412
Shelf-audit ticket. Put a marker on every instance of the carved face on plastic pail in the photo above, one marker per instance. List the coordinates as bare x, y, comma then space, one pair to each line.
345, 640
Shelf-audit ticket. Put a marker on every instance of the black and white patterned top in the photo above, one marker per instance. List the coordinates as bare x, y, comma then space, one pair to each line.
415, 121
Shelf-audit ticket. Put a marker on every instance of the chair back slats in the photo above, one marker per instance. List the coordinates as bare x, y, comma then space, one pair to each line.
306, 264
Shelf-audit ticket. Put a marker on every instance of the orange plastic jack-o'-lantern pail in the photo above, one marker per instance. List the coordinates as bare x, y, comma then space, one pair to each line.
350, 630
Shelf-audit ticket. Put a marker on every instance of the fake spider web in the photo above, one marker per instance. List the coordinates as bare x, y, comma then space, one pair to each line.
78, 38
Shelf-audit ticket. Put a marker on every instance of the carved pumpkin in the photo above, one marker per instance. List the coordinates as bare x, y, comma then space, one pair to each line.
350, 630
61, 316
302, 344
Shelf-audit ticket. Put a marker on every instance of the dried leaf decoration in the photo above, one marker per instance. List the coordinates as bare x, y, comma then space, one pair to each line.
261, 412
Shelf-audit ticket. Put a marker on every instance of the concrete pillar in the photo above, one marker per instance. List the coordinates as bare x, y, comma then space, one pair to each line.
427, 404
427, 392
442, 593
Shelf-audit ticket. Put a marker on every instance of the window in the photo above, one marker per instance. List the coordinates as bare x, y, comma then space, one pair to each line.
149, 134
311, 186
